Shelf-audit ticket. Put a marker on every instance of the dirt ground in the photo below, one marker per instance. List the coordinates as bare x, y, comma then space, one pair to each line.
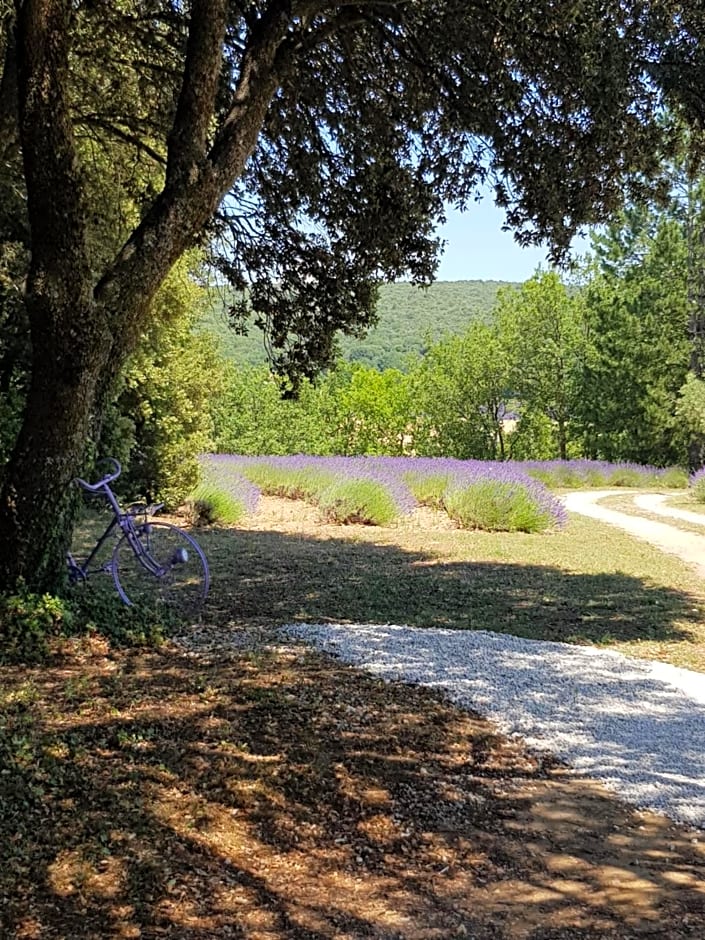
270, 793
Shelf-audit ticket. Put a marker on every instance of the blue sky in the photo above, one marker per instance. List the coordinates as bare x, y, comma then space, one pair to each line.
478, 249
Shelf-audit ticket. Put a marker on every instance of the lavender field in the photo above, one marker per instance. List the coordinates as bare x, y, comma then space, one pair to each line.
494, 496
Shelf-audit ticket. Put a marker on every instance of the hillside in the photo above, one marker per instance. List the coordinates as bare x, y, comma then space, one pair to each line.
408, 318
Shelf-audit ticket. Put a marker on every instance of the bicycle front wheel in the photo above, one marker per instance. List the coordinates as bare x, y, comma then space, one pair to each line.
159, 565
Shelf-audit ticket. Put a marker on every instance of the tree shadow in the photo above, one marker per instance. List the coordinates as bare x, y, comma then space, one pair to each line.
277, 794
278, 578
285, 796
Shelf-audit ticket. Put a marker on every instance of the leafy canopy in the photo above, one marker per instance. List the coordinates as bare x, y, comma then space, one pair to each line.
378, 115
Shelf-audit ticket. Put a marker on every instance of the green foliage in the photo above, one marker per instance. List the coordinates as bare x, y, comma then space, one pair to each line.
162, 418
636, 312
496, 506
460, 391
627, 476
123, 626
674, 478
427, 489
534, 437
27, 621
691, 404
253, 418
208, 504
697, 488
540, 324
365, 502
374, 411
409, 319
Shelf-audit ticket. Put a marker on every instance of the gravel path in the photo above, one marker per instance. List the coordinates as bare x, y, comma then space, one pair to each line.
654, 502
636, 725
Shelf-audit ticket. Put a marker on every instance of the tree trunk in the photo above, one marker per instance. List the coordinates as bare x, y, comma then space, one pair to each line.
81, 331
562, 439
37, 511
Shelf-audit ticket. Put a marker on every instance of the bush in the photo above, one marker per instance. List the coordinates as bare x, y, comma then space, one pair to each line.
358, 501
208, 504
427, 490
93, 612
697, 485
630, 476
27, 621
675, 478
497, 506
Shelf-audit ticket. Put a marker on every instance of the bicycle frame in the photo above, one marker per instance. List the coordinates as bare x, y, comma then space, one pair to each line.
123, 520
172, 559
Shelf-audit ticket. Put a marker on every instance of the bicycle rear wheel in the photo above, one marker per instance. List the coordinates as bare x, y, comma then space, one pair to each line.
159, 565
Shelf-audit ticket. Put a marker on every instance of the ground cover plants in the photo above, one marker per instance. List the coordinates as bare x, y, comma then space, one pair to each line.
379, 490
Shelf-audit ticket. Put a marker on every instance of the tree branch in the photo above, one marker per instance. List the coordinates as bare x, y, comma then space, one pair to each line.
194, 112
56, 198
94, 120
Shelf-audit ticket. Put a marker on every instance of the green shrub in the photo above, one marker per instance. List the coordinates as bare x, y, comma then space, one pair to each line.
675, 478
357, 501
496, 506
207, 505
567, 476
27, 621
630, 476
427, 490
595, 476
105, 614
545, 476
697, 487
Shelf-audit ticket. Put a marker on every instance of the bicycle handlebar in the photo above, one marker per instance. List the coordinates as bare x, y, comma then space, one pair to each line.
94, 487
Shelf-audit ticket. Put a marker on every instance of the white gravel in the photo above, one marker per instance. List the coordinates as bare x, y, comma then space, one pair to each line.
638, 726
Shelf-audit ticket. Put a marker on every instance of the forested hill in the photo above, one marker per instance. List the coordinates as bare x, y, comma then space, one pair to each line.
408, 316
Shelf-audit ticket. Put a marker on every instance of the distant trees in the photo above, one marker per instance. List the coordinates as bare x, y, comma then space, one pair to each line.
594, 369
460, 393
541, 325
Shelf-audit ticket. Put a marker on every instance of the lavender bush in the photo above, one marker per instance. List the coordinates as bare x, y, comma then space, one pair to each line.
567, 474
697, 485
477, 493
366, 502
224, 495
497, 506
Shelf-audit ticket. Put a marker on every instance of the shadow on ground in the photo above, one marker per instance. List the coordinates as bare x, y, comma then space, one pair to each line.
279, 578
279, 795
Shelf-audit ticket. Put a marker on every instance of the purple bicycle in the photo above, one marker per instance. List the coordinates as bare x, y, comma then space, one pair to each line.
153, 563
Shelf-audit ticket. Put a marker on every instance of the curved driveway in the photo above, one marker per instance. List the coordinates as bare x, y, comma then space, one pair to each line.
688, 546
